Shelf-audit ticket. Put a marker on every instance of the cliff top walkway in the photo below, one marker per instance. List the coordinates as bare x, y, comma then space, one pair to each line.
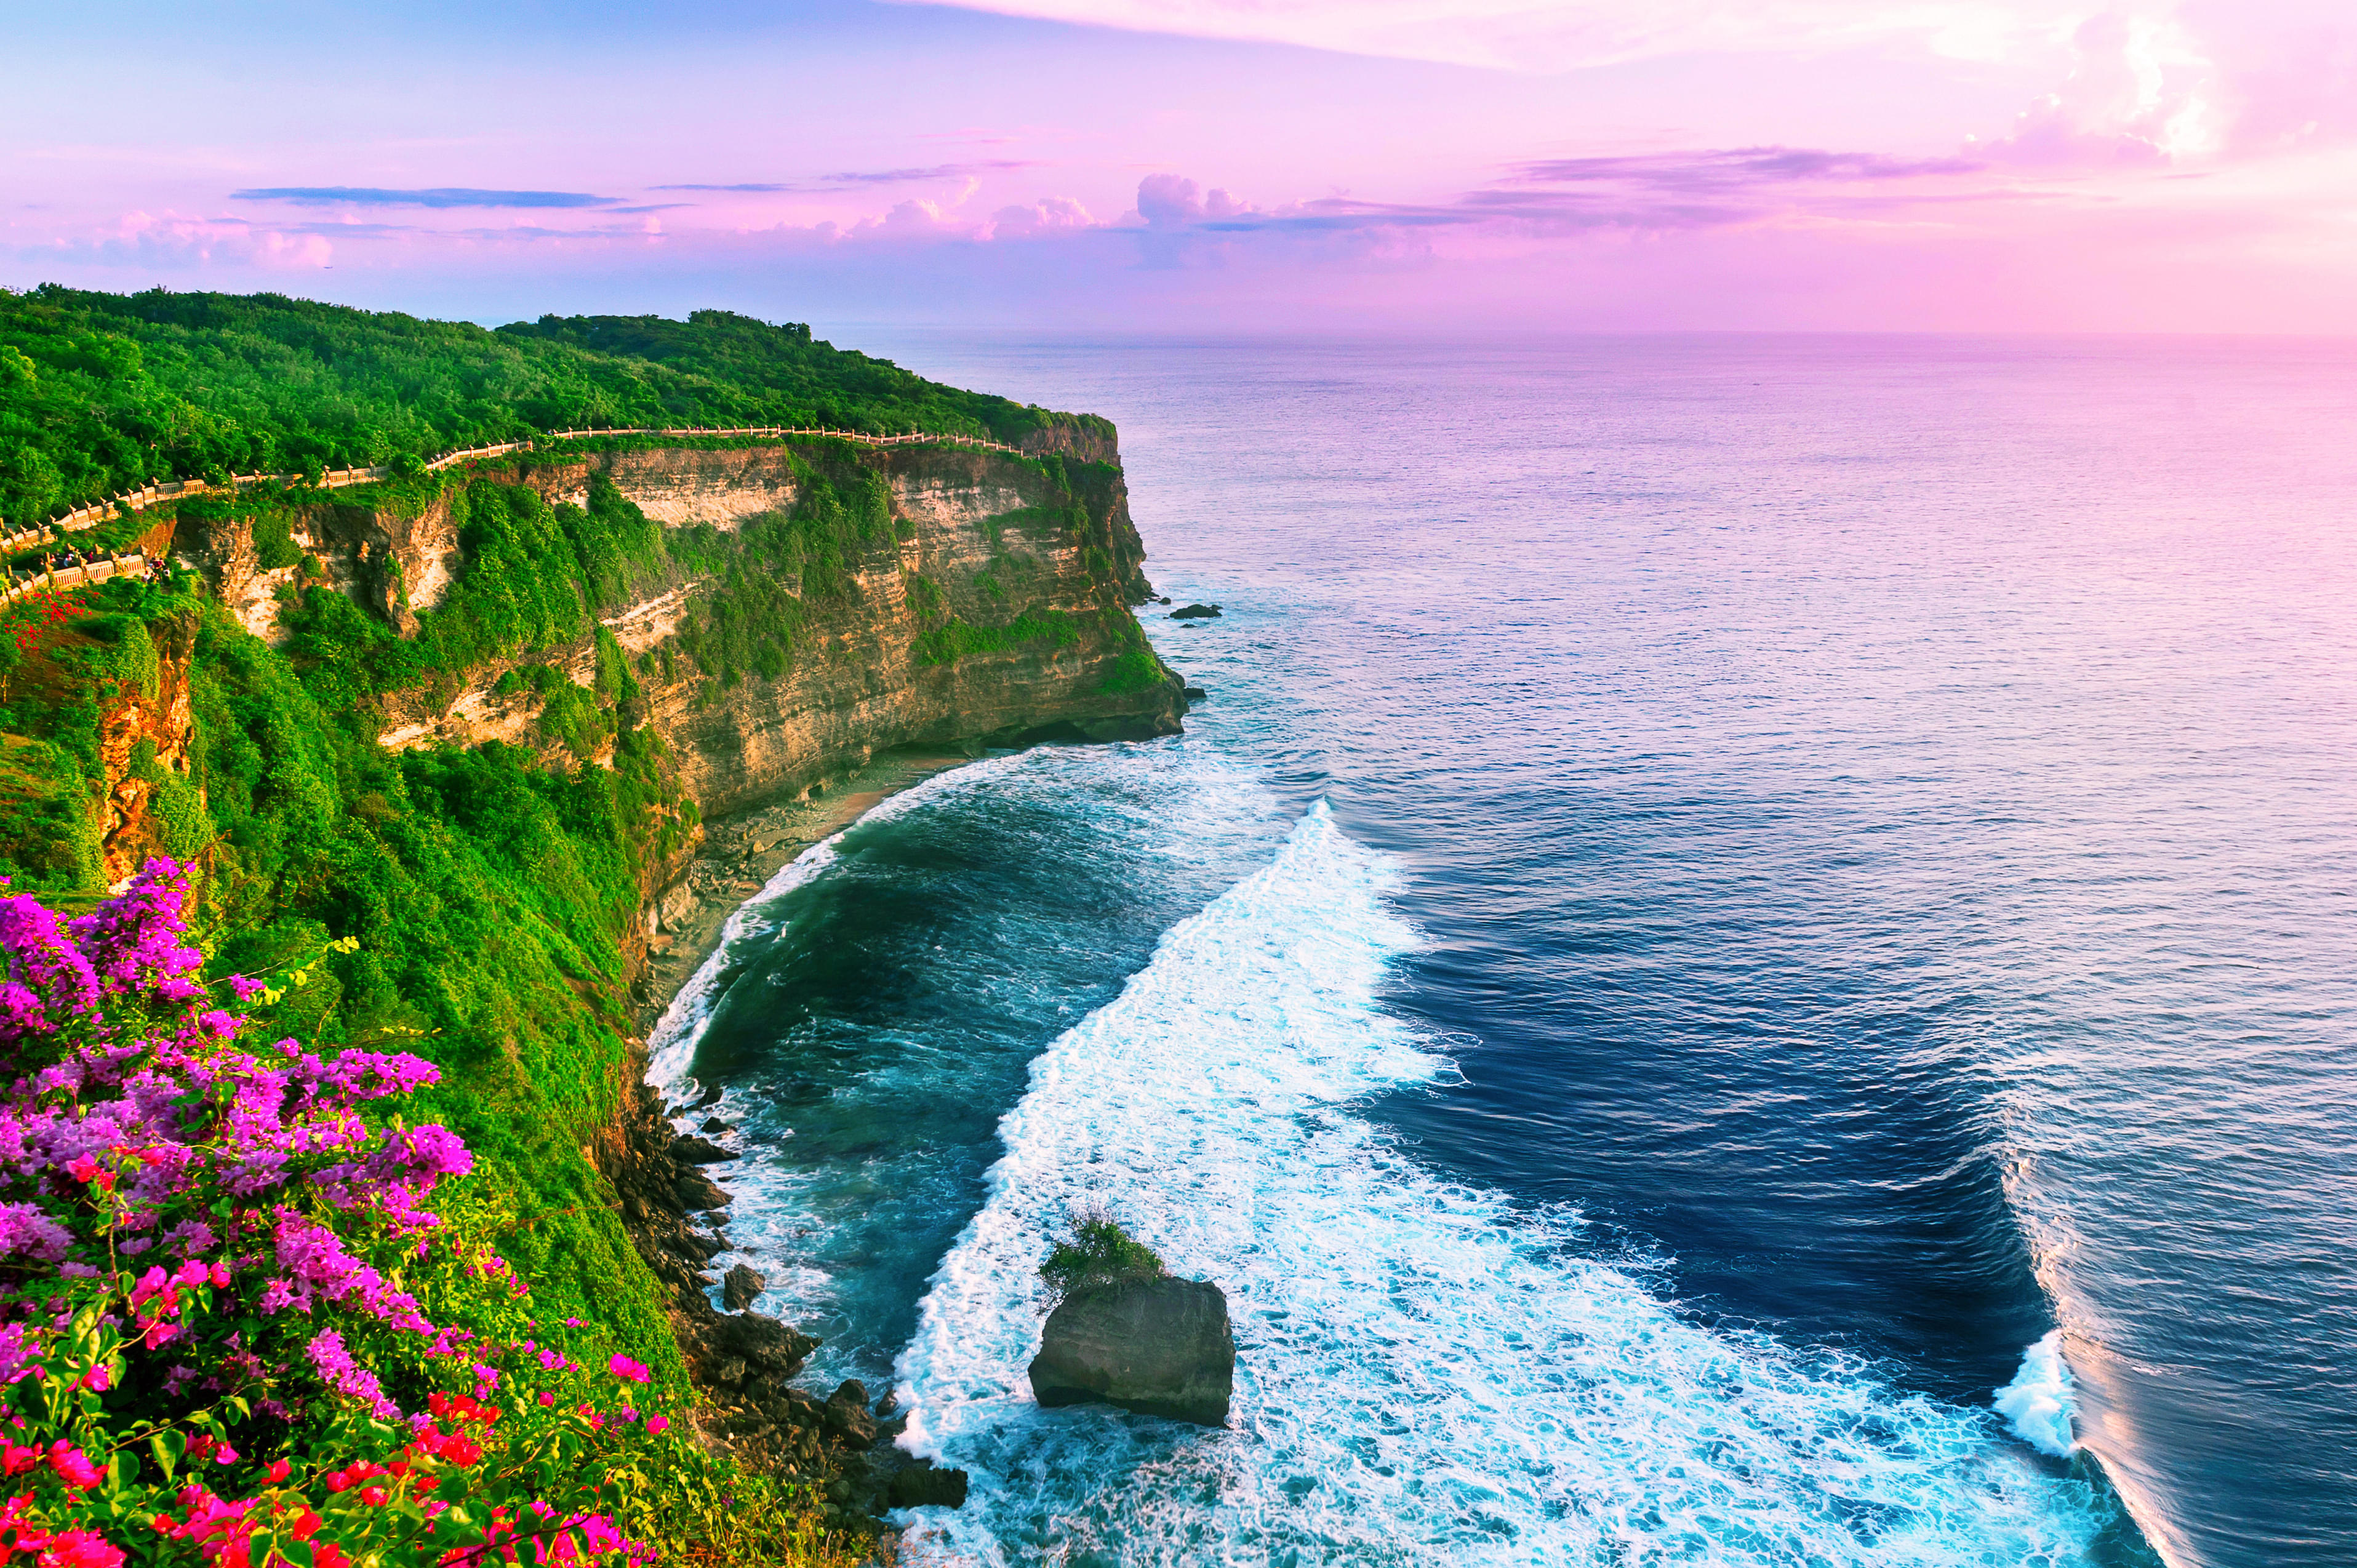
96, 513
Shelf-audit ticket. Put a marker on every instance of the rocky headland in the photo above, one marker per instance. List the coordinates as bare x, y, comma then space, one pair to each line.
926, 652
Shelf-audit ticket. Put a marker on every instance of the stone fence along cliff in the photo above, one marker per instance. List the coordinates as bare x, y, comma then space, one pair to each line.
13, 588
96, 513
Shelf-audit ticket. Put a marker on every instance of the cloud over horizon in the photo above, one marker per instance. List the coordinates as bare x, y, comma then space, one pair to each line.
2000, 163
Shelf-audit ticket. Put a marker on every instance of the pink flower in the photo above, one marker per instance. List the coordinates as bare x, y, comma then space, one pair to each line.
73, 1465
79, 1549
658, 1424
83, 1169
622, 1367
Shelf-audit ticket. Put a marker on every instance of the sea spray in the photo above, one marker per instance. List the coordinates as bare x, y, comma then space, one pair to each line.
2038, 1402
1423, 1371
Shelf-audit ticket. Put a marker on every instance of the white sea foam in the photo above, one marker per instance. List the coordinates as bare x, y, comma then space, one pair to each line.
1423, 1375
2038, 1402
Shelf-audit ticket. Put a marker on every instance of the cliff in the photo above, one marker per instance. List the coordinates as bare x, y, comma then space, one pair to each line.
992, 610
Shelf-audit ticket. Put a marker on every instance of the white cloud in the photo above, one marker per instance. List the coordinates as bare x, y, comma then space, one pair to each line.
2140, 89
1049, 215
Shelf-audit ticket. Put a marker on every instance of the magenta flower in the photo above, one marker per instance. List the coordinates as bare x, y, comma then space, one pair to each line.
622, 1367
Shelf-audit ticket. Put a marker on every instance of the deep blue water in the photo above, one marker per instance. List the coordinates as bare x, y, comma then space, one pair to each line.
1726, 887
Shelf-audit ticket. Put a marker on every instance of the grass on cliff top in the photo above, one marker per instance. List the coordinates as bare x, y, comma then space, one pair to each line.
105, 392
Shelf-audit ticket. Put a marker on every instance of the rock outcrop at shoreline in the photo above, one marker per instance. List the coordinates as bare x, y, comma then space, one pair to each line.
1155, 1347
745, 1360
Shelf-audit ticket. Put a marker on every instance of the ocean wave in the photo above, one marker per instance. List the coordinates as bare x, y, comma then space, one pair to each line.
1423, 1372
671, 1048
2038, 1403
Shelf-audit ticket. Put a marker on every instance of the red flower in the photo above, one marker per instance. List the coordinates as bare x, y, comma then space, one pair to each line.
81, 1549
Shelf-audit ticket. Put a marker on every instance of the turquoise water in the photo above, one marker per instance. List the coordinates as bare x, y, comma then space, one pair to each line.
1726, 890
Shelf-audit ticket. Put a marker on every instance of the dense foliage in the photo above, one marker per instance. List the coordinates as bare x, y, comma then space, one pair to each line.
231, 1332
102, 393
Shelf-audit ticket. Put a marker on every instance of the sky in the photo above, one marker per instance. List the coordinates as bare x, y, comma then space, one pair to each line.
1205, 166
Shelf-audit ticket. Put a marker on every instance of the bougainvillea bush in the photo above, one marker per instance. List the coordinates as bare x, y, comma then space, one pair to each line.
230, 1329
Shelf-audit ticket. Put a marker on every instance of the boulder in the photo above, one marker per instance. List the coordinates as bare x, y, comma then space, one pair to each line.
697, 1190
846, 1414
692, 1151
1156, 1347
740, 1287
763, 1341
922, 1486
1197, 612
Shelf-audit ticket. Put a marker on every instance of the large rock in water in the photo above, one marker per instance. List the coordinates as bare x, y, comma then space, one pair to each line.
1159, 1346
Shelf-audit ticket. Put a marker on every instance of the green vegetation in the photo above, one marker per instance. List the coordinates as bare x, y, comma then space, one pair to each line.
488, 896
1097, 1255
955, 639
102, 393
474, 906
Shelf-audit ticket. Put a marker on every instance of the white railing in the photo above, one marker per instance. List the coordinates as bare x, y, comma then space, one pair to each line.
13, 588
908, 438
96, 513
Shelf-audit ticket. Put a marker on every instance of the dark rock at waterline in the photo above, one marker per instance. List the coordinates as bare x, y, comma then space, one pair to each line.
846, 1414
1196, 693
760, 1342
1163, 600
923, 1486
711, 1097
1197, 612
698, 1152
1156, 1347
714, 1124
697, 1190
697, 1246
740, 1287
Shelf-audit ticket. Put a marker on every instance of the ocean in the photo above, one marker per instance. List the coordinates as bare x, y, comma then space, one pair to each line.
1749, 962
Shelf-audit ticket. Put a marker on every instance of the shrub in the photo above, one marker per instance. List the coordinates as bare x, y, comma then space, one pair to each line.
219, 1295
1098, 1255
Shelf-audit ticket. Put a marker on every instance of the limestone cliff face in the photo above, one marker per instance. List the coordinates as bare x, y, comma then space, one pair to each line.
978, 538
144, 730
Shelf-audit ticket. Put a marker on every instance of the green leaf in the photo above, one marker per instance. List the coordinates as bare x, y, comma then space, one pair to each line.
168, 1448
297, 1552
